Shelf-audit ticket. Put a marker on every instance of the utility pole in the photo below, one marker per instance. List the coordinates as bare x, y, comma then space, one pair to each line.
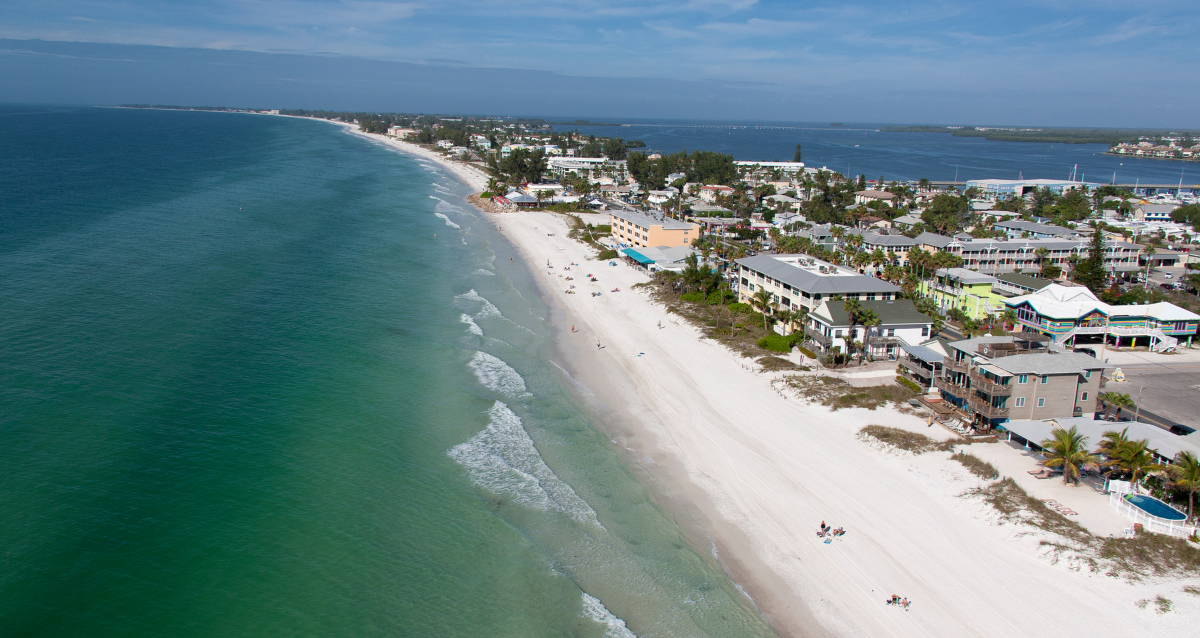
1137, 410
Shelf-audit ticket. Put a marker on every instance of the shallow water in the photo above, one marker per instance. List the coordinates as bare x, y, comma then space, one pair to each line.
264, 377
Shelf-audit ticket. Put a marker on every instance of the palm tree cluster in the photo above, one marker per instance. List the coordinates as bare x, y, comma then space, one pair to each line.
1119, 455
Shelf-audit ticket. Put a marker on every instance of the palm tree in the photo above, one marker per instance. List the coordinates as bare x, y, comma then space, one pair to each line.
1118, 401
1067, 449
1009, 318
852, 308
1112, 441
1185, 472
1135, 457
867, 319
761, 301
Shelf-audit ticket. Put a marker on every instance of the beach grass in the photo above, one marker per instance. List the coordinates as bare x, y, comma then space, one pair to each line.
837, 394
976, 465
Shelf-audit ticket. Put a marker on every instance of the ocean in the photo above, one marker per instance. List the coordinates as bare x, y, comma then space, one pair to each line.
862, 149
262, 377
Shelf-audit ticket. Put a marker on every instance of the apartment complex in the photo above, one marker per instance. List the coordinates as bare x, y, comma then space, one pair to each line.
997, 256
989, 380
971, 292
1066, 314
632, 228
803, 281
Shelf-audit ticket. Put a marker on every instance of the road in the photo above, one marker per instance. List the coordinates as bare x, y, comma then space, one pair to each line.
1170, 392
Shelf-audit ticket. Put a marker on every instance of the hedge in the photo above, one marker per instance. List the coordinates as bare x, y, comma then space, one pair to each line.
806, 352
607, 254
908, 384
778, 343
694, 297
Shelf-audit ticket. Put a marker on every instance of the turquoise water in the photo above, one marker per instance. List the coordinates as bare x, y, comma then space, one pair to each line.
262, 377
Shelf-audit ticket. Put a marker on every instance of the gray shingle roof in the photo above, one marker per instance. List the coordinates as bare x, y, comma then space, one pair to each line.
815, 283
934, 239
1022, 280
891, 313
1048, 363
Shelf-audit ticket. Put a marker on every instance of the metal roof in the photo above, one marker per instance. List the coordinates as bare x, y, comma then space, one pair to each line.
926, 354
1165, 443
1048, 363
890, 313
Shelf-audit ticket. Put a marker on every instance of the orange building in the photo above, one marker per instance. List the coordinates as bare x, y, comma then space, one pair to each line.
632, 228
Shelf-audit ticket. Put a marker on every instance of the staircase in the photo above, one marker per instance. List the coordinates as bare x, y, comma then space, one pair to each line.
1161, 341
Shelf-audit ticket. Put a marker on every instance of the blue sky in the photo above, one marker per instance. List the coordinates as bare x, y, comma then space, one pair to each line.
1098, 62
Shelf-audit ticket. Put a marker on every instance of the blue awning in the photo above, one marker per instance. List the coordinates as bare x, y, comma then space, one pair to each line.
636, 256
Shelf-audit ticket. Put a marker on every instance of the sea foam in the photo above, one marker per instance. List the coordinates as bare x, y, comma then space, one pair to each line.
472, 327
496, 375
488, 310
483, 271
595, 610
502, 459
447, 220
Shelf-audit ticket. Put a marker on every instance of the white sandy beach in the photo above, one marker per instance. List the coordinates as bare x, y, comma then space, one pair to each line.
757, 472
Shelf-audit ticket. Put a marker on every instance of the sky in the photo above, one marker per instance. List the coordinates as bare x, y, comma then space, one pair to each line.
1049, 62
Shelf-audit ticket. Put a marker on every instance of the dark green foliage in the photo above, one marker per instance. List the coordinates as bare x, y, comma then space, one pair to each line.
1187, 214
1090, 270
524, 165
947, 213
607, 254
908, 384
779, 343
705, 167
741, 308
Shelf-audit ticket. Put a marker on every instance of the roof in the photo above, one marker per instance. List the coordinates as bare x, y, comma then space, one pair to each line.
659, 254
907, 219
646, 221
877, 194
636, 256
934, 239
880, 239
1063, 302
1034, 227
965, 276
517, 197
890, 313
924, 353
1022, 280
1160, 440
1048, 363
842, 281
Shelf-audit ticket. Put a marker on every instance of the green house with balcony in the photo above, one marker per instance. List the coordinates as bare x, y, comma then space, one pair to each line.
967, 290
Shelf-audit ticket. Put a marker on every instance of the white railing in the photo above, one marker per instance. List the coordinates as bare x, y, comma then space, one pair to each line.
1148, 522
1163, 341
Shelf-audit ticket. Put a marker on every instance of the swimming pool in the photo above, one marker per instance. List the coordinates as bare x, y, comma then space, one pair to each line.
1155, 507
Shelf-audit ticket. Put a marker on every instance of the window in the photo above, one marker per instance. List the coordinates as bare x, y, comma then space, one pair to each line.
837, 333
1022, 378
1087, 374
1020, 402
891, 332
1045, 379
1084, 397
924, 331
1042, 402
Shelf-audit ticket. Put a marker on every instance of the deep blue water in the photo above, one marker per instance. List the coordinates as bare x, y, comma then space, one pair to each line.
863, 149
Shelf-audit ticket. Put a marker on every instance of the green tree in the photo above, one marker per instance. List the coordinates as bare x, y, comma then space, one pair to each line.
868, 319
947, 213
761, 300
853, 310
796, 157
1067, 449
1135, 458
1090, 271
1116, 401
1185, 473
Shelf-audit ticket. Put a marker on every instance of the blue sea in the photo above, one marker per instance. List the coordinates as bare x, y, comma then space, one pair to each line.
862, 149
263, 377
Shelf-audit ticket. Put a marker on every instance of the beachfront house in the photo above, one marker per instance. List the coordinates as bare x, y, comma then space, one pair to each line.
972, 293
900, 324
632, 228
1071, 315
922, 363
989, 380
800, 281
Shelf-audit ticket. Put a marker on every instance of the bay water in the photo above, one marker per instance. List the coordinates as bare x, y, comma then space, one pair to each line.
262, 377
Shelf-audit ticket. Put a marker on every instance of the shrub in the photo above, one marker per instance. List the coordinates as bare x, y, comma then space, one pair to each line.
908, 384
486, 195
694, 297
719, 297
976, 465
607, 254
806, 352
777, 343
743, 308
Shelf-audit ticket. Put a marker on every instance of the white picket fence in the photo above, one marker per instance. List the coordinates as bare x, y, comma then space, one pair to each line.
1149, 523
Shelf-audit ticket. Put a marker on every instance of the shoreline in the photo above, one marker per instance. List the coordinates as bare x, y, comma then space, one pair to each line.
751, 472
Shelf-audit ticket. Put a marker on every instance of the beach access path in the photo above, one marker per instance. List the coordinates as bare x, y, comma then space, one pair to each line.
757, 472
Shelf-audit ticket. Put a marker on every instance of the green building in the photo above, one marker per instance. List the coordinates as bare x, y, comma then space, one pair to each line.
967, 290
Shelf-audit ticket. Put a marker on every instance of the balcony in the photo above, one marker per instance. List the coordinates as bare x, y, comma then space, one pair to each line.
819, 337
984, 408
916, 369
978, 382
950, 388
956, 366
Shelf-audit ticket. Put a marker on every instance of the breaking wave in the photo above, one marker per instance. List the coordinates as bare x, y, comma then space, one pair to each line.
488, 310
502, 459
483, 271
496, 375
447, 220
595, 610
472, 327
